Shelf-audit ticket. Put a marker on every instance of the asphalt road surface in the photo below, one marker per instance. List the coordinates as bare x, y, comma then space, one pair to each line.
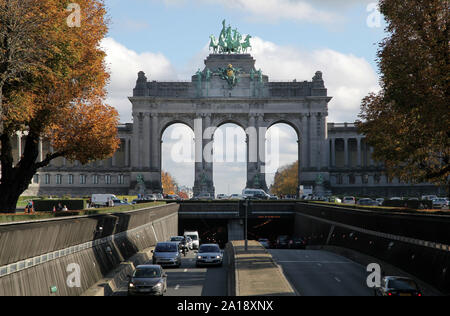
189, 280
321, 273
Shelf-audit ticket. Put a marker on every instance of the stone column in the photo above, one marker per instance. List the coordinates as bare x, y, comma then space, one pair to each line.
305, 142
135, 150
346, 153
371, 162
155, 142
358, 140
127, 152
299, 174
262, 152
314, 161
203, 155
333, 152
252, 149
146, 141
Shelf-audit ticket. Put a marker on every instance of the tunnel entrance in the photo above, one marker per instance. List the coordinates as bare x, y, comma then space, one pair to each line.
219, 230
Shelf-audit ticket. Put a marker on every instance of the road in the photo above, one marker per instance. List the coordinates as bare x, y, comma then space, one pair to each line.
189, 280
321, 273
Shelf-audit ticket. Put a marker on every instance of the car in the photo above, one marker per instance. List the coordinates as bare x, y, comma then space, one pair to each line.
297, 243
209, 254
396, 199
367, 202
349, 200
236, 197
440, 203
334, 199
274, 198
264, 242
119, 202
102, 200
222, 197
195, 238
398, 286
255, 194
181, 240
282, 242
380, 201
190, 243
150, 197
167, 254
147, 280
429, 197
203, 197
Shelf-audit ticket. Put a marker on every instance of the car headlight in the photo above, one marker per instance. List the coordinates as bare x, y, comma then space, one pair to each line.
131, 285
218, 257
159, 285
199, 257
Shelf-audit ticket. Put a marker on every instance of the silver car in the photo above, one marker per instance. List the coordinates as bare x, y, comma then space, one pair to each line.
167, 254
209, 254
148, 280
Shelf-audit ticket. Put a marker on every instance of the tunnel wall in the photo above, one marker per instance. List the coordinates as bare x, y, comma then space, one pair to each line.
400, 240
97, 244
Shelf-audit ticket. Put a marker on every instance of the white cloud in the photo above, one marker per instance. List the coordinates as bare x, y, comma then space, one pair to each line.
348, 78
124, 64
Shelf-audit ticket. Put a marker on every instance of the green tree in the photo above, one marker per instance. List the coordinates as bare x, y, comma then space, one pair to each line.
408, 123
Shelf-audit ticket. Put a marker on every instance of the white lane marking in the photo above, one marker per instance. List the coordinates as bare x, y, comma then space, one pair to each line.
337, 279
177, 287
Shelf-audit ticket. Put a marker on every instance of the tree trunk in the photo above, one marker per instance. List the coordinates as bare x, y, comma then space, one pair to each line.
16, 179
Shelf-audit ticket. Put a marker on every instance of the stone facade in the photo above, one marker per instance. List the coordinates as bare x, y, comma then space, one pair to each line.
334, 152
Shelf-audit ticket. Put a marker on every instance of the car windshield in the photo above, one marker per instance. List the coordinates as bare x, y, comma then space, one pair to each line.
147, 273
177, 239
402, 285
166, 248
193, 237
209, 249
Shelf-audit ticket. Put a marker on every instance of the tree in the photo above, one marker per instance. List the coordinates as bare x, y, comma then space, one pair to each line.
286, 181
408, 123
169, 184
52, 89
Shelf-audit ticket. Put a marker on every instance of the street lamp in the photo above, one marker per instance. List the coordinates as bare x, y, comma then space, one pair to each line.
247, 201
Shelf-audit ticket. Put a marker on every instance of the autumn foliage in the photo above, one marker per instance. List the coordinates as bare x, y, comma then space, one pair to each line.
408, 122
168, 183
52, 87
286, 181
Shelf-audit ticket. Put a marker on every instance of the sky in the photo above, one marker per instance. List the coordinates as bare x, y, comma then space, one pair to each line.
292, 39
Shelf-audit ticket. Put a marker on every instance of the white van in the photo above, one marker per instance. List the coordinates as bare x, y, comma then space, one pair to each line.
255, 194
195, 239
100, 200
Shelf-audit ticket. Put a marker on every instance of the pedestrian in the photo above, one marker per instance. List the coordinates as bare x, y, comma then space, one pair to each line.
59, 208
65, 209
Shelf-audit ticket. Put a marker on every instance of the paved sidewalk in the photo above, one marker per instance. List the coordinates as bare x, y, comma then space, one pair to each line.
257, 274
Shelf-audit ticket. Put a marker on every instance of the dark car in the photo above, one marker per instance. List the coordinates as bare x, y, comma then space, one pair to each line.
148, 280
398, 286
297, 243
282, 242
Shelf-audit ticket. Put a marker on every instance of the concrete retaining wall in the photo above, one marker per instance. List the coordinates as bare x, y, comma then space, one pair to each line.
97, 244
417, 244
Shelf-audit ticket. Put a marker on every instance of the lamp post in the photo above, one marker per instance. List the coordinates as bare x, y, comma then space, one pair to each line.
246, 224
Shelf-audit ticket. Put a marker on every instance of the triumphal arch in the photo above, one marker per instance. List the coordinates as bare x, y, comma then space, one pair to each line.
229, 89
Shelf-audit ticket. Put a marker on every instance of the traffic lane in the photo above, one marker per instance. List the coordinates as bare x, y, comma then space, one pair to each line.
189, 280
321, 273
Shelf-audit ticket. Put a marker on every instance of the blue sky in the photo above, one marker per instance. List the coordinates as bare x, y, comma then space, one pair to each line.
292, 39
